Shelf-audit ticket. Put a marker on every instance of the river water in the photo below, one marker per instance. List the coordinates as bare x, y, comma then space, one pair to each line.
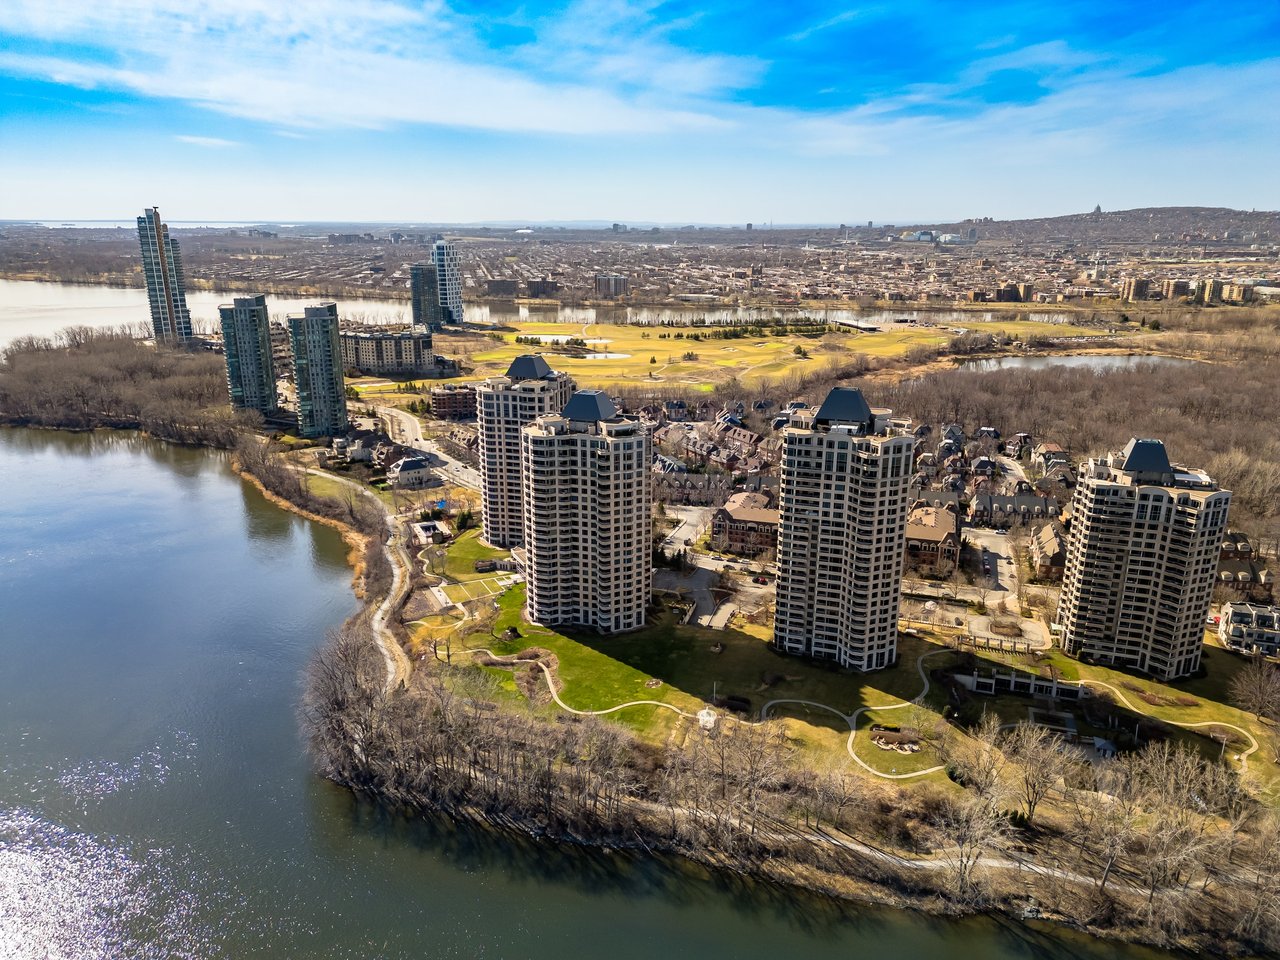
43, 309
154, 797
155, 616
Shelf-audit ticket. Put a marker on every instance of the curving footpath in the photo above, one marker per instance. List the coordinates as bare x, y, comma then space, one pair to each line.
852, 720
397, 661
510, 661
1244, 757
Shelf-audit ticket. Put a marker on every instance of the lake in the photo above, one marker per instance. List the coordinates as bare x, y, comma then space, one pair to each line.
154, 796
1091, 361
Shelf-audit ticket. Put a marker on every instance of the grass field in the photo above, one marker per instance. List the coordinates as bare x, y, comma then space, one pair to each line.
1199, 700
601, 672
332, 487
749, 359
461, 556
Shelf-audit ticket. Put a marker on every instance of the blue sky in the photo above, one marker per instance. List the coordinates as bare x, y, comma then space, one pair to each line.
599, 109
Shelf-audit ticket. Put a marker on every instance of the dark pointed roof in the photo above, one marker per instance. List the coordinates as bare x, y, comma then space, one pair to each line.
529, 366
1146, 456
844, 405
589, 406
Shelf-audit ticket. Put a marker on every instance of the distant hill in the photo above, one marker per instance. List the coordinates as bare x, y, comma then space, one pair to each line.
1141, 225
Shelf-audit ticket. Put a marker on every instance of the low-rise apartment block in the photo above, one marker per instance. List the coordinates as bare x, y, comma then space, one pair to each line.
745, 525
1250, 628
453, 401
387, 352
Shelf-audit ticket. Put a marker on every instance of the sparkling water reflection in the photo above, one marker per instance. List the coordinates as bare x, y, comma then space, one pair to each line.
154, 796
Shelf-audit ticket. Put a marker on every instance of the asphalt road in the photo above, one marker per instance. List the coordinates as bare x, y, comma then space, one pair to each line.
405, 428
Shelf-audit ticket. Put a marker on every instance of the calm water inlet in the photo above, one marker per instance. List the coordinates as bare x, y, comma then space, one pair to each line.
154, 797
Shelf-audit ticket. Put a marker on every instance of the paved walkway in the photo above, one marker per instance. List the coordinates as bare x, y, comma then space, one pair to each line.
852, 720
397, 661
546, 672
1244, 757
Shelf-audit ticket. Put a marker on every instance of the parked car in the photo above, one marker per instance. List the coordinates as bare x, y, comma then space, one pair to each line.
760, 579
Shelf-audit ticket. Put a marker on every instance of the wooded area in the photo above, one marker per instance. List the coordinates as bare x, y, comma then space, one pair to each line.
1163, 845
89, 377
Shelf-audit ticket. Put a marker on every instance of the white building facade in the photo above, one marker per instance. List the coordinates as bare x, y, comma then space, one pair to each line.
444, 254
1250, 628
842, 532
588, 516
505, 405
1141, 558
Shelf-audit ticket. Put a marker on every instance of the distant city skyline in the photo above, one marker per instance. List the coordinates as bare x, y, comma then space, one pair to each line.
712, 113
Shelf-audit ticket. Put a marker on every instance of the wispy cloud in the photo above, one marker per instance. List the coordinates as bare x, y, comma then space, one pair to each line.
606, 99
843, 17
367, 63
215, 143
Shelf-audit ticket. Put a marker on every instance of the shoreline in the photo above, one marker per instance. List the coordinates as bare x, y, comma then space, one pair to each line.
773, 868
1075, 308
356, 542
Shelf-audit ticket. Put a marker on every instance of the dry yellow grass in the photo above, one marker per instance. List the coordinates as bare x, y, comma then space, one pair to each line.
642, 356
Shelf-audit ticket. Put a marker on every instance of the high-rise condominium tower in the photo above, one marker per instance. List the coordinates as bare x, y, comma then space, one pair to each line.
504, 405
587, 522
1141, 558
424, 292
317, 371
842, 533
166, 285
449, 277
246, 340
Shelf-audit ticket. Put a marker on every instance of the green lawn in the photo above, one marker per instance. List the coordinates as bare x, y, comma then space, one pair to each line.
601, 672
338, 490
461, 556
1209, 694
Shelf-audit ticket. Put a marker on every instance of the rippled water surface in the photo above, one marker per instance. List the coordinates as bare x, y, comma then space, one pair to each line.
155, 614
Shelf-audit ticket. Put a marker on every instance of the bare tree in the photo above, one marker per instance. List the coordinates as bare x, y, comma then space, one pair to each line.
1260, 920
971, 828
980, 762
1040, 757
1256, 689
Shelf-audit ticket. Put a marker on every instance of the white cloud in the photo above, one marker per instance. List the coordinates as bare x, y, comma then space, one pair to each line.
840, 18
608, 72
216, 143
367, 63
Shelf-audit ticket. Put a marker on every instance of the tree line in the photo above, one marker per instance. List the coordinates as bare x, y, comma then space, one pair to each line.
1163, 844
87, 377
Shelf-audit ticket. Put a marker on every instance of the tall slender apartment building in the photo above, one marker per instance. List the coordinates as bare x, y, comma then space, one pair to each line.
504, 405
317, 371
1141, 559
246, 340
444, 254
842, 533
424, 294
166, 284
588, 498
